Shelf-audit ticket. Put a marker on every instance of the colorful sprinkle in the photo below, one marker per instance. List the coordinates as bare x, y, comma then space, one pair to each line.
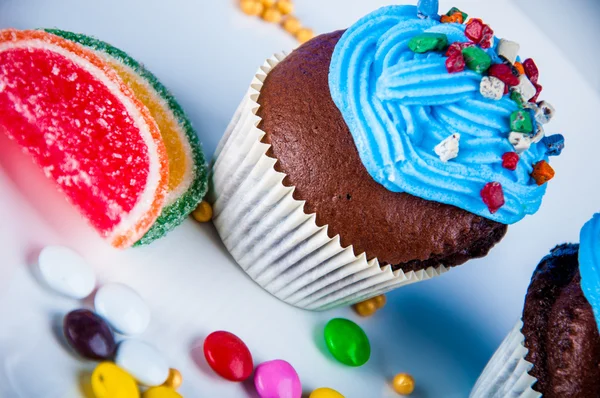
521, 142
428, 8
492, 88
538, 90
508, 49
544, 112
520, 122
448, 148
504, 73
510, 160
426, 42
520, 68
493, 196
455, 63
477, 59
531, 70
518, 98
554, 144
455, 10
542, 172
525, 88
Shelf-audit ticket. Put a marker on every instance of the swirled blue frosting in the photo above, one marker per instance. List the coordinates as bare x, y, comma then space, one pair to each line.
589, 264
399, 105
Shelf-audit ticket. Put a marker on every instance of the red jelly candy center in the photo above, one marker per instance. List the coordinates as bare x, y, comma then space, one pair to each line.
228, 356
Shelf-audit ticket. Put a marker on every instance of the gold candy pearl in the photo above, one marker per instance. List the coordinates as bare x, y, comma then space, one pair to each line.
291, 25
252, 7
286, 7
365, 308
268, 3
379, 301
403, 384
272, 15
203, 212
174, 380
303, 35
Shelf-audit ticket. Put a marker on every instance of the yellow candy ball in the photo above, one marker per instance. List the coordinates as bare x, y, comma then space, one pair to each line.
365, 308
252, 7
325, 393
291, 25
403, 384
272, 15
174, 380
286, 7
379, 301
110, 381
161, 392
303, 35
203, 212
268, 3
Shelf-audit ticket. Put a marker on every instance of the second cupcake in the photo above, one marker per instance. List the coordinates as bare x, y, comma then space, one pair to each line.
380, 156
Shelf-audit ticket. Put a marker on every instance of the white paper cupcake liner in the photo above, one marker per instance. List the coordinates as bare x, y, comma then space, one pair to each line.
507, 373
271, 237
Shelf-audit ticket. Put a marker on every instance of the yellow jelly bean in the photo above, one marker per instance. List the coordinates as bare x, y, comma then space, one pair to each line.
325, 393
203, 212
161, 392
174, 380
110, 381
403, 384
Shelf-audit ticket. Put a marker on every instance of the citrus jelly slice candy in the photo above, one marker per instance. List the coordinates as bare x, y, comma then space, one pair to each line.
187, 168
70, 110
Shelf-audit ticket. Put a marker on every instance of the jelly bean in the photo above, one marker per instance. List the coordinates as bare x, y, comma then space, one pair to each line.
493, 196
325, 393
403, 384
174, 380
89, 335
66, 272
110, 381
277, 379
143, 362
347, 342
123, 308
228, 356
510, 160
542, 172
161, 392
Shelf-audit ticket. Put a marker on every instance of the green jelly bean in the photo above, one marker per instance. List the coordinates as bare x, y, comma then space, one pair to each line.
347, 342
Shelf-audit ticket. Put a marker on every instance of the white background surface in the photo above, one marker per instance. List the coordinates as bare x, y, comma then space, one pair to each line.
442, 331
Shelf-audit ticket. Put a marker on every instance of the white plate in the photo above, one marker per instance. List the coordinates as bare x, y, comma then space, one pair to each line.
442, 331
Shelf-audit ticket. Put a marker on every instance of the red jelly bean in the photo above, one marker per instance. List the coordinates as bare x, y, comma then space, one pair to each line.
538, 90
510, 160
89, 335
493, 196
487, 36
531, 70
228, 356
474, 30
455, 63
504, 73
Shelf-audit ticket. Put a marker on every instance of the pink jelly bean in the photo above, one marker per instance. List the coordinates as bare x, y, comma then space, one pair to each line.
277, 379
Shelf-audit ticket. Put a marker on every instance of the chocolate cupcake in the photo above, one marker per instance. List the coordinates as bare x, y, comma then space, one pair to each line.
555, 350
379, 156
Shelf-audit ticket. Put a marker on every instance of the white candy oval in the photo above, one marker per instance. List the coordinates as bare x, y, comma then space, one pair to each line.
143, 362
66, 272
123, 308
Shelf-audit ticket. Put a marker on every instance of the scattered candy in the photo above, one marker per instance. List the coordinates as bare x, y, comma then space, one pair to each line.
510, 160
347, 342
504, 73
403, 384
277, 379
161, 392
538, 90
110, 381
539, 133
479, 33
174, 380
531, 70
203, 212
508, 49
520, 121
519, 141
493, 196
123, 308
487, 38
365, 308
477, 59
325, 393
518, 98
456, 48
427, 8
252, 7
525, 88
66, 272
426, 42
519, 68
544, 112
228, 356
455, 10
455, 63
554, 144
89, 335
280, 12
457, 17
491, 87
143, 362
448, 148
542, 172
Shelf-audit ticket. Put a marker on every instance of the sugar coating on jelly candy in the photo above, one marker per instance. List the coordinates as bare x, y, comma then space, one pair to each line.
187, 166
86, 129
